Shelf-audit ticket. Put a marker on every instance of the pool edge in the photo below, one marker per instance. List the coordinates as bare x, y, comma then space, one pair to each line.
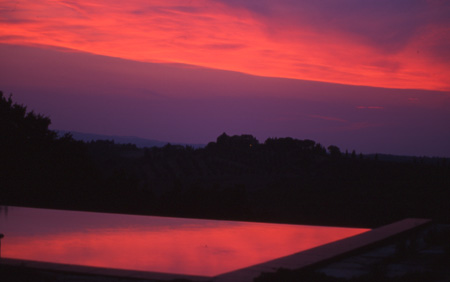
327, 252
100, 271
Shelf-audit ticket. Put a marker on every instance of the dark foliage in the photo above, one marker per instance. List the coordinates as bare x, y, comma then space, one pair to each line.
236, 177
36, 167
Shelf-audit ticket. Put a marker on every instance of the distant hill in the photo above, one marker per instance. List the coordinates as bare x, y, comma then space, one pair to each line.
139, 142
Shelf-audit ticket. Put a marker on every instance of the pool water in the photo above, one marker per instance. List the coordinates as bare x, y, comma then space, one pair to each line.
153, 243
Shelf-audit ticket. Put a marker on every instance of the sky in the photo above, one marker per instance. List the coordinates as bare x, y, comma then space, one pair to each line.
370, 76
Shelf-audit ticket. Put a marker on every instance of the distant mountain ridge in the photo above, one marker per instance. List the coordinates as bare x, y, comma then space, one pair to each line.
143, 143
138, 141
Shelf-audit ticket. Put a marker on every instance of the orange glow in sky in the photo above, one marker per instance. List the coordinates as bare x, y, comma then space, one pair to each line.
406, 49
171, 245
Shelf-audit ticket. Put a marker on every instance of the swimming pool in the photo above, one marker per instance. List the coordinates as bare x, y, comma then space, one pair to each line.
153, 243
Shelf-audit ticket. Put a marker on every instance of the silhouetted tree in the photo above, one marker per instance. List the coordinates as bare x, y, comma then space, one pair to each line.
223, 140
283, 179
19, 127
36, 165
335, 152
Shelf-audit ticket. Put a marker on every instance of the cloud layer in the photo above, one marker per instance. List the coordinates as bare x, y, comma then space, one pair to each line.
401, 44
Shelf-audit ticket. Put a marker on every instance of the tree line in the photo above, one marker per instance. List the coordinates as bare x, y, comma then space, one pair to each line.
234, 177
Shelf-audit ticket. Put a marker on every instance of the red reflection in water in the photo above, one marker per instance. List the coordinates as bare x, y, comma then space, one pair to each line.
185, 246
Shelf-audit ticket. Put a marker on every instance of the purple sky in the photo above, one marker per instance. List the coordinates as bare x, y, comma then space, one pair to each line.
365, 75
178, 103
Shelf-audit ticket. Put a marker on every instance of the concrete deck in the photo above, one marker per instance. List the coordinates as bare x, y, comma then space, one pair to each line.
424, 254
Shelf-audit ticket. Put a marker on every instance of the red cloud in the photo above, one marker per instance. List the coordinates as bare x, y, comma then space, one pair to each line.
255, 40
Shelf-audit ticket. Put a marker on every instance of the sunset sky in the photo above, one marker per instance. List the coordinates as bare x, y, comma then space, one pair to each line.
366, 75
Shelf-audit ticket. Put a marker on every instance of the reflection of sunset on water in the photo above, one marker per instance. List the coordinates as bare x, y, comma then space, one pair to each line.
186, 246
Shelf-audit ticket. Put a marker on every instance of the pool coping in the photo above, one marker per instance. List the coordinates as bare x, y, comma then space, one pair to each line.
100, 271
303, 259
